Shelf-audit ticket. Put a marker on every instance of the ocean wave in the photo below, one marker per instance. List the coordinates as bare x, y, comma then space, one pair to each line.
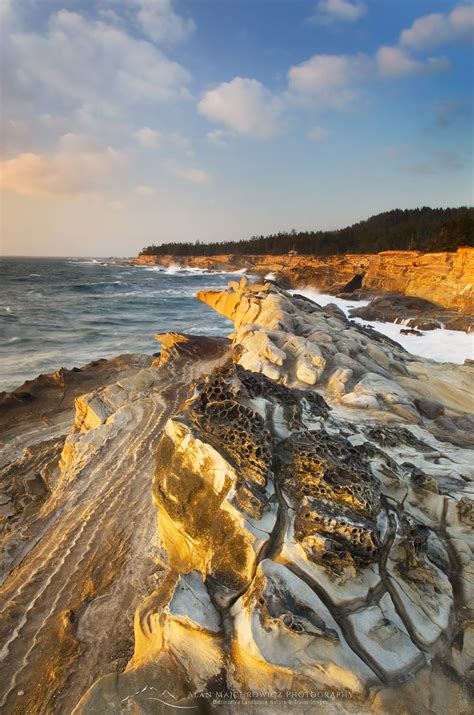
184, 271
175, 269
87, 287
87, 262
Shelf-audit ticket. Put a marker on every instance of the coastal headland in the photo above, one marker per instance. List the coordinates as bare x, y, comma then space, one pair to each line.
444, 278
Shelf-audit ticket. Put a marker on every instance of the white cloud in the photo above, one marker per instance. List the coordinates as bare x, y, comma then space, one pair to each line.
159, 21
66, 172
90, 62
318, 134
147, 137
145, 190
394, 62
188, 173
330, 79
344, 10
437, 29
245, 106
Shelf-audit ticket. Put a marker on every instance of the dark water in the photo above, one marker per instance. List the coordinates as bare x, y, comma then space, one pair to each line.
67, 312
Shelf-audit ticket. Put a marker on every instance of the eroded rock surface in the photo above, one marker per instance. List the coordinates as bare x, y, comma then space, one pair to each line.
34, 421
82, 555
314, 502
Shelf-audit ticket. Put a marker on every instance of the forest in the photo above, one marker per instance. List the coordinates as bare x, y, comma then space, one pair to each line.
423, 229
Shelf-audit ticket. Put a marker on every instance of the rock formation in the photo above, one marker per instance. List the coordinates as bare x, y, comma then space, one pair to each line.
34, 421
416, 313
313, 499
446, 279
80, 557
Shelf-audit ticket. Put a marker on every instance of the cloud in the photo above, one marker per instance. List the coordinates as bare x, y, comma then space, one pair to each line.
158, 20
188, 173
89, 62
394, 62
245, 106
318, 134
330, 79
343, 10
147, 137
437, 29
145, 190
75, 142
66, 172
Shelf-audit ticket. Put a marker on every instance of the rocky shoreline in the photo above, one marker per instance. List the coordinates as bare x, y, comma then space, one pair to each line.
443, 283
285, 512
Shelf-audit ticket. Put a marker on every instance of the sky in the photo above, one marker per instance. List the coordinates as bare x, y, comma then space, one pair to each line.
131, 122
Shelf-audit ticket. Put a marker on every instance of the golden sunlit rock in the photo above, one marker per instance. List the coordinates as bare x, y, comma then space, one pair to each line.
288, 512
303, 552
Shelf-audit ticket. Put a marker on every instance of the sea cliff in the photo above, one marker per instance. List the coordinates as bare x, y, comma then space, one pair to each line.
446, 279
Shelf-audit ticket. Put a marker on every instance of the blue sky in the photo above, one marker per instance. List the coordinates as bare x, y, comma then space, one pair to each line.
137, 121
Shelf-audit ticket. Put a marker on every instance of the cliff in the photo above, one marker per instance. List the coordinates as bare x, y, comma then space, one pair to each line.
287, 512
443, 278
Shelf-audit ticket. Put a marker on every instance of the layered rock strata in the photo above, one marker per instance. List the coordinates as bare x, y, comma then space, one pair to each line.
314, 511
34, 422
81, 556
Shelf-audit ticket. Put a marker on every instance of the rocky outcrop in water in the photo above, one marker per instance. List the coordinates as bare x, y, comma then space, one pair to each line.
313, 504
415, 313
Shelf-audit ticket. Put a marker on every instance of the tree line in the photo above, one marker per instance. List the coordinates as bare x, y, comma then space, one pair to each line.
422, 229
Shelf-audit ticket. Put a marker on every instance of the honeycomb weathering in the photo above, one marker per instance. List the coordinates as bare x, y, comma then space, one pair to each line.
322, 516
289, 512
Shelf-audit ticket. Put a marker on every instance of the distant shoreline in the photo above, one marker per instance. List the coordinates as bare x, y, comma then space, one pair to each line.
445, 278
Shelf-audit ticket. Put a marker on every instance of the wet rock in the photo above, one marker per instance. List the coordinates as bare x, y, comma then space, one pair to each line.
416, 313
411, 331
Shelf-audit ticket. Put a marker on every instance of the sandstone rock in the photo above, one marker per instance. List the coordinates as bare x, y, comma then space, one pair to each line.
311, 538
80, 558
301, 537
447, 279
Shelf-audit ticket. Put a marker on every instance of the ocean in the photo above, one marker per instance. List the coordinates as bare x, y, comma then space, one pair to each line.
65, 312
